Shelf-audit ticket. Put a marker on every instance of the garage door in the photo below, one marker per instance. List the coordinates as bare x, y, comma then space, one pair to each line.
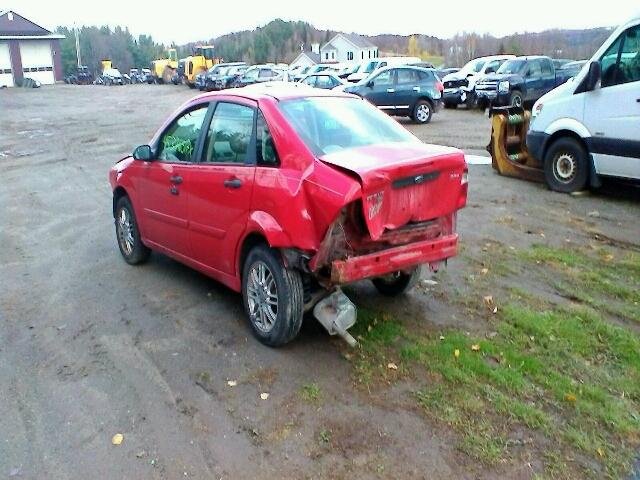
6, 75
37, 62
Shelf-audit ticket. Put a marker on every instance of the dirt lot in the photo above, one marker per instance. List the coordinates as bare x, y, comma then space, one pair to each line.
542, 306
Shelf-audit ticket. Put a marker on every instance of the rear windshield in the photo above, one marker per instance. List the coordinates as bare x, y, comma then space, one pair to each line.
331, 124
512, 66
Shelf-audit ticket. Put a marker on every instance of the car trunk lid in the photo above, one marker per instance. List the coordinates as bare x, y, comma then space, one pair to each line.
403, 183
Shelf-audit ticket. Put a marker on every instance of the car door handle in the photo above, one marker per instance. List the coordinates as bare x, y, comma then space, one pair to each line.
416, 89
390, 90
233, 183
177, 179
174, 190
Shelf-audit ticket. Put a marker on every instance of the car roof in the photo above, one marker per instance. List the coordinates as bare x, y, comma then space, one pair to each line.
278, 93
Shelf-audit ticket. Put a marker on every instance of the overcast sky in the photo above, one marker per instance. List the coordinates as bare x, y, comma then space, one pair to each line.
187, 21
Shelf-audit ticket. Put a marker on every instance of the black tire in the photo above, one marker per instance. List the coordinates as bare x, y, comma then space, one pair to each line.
134, 252
289, 311
397, 283
566, 166
450, 105
516, 99
422, 112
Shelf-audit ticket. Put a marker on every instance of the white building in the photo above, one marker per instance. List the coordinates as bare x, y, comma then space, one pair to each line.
307, 59
347, 48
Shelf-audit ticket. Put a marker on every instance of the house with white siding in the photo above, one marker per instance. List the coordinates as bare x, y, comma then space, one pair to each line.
345, 47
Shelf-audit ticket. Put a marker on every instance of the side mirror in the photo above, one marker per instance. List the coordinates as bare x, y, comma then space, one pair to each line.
143, 152
593, 76
370, 84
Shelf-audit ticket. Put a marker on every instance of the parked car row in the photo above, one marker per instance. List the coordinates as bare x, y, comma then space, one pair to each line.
506, 80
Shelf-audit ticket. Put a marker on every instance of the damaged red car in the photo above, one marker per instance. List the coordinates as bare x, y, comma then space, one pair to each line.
286, 194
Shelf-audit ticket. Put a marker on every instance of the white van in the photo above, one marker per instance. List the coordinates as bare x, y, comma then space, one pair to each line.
590, 126
367, 67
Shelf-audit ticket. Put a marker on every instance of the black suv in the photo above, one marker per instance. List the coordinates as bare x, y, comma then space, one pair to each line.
402, 91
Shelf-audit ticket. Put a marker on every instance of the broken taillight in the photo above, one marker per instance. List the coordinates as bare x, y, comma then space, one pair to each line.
464, 187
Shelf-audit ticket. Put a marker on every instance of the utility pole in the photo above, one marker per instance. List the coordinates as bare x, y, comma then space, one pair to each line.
75, 28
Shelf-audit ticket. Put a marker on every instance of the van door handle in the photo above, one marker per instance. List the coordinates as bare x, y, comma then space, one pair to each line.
233, 183
177, 179
390, 90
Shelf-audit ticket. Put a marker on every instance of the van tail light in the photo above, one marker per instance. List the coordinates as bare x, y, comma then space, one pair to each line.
464, 189
439, 86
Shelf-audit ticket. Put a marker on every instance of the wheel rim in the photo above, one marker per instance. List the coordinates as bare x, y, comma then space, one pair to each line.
422, 113
517, 101
125, 231
565, 167
262, 297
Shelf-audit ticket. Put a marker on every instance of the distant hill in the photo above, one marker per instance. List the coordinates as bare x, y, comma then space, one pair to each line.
280, 41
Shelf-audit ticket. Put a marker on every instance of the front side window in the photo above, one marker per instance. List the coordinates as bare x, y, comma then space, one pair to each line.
534, 69
383, 79
331, 124
179, 141
621, 62
324, 81
512, 66
310, 80
492, 66
229, 134
251, 74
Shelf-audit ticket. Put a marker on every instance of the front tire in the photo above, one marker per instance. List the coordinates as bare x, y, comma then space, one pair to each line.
516, 99
397, 283
131, 247
422, 112
273, 297
566, 166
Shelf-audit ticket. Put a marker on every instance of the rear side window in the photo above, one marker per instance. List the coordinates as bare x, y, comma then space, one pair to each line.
547, 68
266, 154
407, 76
265, 73
229, 134
179, 141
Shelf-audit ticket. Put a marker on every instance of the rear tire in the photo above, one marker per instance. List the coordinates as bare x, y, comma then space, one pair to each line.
131, 247
397, 283
422, 112
450, 105
566, 166
273, 297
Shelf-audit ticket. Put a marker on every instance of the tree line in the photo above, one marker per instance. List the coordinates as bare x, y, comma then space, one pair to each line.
281, 41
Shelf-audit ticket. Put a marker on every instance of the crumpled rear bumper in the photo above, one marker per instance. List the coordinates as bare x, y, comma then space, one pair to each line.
393, 259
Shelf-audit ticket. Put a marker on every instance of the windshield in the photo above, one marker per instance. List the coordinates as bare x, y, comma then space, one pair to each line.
371, 66
474, 66
512, 66
330, 124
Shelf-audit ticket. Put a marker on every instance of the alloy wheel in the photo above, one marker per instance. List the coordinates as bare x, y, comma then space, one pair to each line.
125, 231
422, 113
262, 297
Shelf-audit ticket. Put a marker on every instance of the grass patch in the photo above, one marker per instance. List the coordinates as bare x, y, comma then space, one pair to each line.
604, 282
310, 392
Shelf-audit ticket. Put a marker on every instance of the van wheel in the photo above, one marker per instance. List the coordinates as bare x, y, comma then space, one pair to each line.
422, 112
273, 297
566, 166
397, 283
131, 247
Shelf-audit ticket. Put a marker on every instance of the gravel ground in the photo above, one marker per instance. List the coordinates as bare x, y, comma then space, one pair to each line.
91, 347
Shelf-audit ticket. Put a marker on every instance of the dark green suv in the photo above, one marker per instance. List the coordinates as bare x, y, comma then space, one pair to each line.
402, 91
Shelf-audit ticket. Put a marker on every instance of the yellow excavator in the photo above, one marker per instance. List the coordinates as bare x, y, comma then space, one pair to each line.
163, 69
508, 148
203, 59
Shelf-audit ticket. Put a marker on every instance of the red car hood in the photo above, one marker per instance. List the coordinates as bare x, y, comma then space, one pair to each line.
404, 182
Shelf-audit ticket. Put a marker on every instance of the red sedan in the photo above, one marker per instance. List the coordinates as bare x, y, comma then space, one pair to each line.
285, 194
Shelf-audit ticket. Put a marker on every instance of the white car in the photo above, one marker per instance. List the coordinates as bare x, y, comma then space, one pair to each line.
590, 126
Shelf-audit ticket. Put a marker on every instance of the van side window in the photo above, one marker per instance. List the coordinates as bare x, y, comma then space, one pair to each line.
621, 62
